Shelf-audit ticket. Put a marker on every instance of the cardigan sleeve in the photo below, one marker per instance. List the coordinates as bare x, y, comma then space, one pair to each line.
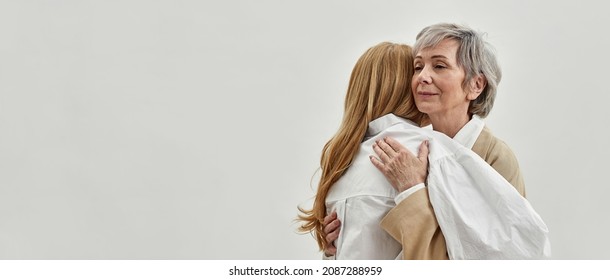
419, 234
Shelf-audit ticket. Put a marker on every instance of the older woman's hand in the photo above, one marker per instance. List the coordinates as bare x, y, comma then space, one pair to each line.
402, 169
332, 227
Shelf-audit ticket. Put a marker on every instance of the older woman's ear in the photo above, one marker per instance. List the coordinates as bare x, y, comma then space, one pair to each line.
477, 85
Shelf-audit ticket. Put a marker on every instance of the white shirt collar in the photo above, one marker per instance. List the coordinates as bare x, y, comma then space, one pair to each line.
466, 136
470, 132
380, 124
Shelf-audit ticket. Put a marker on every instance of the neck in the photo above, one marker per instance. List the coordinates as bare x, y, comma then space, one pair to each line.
449, 125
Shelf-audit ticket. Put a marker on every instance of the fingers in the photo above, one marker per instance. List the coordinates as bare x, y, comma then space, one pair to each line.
329, 218
381, 153
404, 169
395, 145
385, 150
332, 229
331, 237
331, 250
424, 150
332, 226
385, 146
377, 164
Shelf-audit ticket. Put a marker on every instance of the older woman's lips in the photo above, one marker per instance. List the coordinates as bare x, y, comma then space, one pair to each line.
426, 93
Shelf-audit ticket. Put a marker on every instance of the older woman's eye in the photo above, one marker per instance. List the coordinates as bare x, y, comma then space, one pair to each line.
417, 68
440, 66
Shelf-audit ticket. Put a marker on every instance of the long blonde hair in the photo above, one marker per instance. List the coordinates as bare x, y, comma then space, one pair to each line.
380, 84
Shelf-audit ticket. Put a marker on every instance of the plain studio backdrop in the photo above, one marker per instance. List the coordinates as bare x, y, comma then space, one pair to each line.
193, 129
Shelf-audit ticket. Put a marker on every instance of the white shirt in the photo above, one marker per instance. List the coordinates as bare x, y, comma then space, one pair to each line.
363, 196
467, 136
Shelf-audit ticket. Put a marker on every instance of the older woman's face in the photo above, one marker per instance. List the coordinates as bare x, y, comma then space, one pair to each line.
437, 82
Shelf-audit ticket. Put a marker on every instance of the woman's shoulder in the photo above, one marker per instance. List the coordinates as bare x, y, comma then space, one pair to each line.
500, 156
492, 148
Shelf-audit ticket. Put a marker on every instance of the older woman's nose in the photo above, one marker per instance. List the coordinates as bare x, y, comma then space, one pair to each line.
424, 76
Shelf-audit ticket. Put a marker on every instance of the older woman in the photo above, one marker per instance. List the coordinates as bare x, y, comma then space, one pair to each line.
455, 82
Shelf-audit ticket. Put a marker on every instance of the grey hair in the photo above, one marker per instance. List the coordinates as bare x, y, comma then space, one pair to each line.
474, 55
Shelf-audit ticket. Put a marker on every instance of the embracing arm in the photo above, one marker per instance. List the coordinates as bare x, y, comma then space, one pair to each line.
419, 234
412, 221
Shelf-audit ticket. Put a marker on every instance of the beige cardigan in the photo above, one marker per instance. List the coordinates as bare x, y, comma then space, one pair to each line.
413, 223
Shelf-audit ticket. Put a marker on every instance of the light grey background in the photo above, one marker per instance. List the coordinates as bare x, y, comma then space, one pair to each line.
192, 129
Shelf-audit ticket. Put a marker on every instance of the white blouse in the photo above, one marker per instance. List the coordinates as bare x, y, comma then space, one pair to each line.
363, 196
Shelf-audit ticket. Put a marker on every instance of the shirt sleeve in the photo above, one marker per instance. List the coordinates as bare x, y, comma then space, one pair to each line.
406, 193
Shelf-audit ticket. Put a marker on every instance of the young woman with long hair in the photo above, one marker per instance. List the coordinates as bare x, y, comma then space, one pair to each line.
379, 85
